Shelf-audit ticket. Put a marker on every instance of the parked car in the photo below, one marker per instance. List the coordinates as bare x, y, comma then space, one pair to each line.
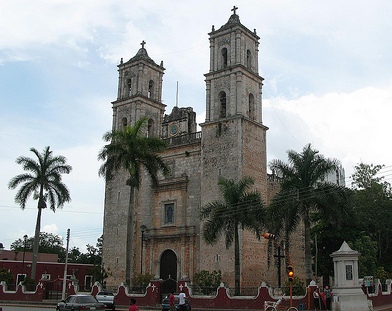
107, 298
166, 304
80, 302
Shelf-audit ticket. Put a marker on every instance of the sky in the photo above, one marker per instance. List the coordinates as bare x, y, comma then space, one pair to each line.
327, 67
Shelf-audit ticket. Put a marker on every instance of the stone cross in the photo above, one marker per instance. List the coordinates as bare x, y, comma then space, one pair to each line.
234, 9
142, 44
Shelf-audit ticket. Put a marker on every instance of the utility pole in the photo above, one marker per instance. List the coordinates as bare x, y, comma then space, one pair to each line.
65, 268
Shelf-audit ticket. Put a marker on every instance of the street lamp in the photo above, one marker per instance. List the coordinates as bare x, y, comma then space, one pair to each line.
142, 229
270, 236
24, 253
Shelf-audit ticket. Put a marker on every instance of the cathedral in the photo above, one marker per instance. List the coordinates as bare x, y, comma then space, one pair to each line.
162, 234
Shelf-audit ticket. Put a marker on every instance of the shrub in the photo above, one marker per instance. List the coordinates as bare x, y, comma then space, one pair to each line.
207, 282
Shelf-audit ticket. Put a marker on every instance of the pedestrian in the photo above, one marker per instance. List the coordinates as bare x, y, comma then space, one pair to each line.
171, 302
316, 299
328, 296
133, 306
181, 301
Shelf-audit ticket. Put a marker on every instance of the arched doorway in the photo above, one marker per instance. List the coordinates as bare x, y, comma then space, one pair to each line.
168, 271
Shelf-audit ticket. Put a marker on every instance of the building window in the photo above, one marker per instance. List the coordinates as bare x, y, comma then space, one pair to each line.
169, 214
150, 128
151, 89
224, 57
349, 272
124, 122
251, 108
129, 87
248, 59
45, 276
222, 101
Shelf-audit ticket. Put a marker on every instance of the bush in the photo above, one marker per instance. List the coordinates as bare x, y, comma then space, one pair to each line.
298, 287
141, 281
6, 277
207, 282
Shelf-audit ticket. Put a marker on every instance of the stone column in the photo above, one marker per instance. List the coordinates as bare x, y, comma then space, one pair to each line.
347, 292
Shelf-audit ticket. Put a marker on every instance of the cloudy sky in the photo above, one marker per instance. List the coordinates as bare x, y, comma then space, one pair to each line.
327, 67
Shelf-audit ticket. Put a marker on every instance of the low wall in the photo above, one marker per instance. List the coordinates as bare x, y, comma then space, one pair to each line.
222, 299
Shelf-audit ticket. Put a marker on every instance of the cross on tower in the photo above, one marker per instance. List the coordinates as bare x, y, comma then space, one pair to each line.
234, 9
142, 44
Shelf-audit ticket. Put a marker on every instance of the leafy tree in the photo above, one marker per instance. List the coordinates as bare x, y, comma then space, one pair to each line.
208, 282
49, 243
303, 193
240, 209
6, 276
373, 206
132, 150
43, 181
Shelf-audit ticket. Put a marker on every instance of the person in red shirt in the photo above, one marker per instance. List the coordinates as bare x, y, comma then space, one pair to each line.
133, 306
171, 302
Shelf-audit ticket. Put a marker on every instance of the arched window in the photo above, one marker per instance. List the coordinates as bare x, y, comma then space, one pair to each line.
222, 101
150, 128
124, 122
129, 87
248, 59
151, 89
251, 109
224, 57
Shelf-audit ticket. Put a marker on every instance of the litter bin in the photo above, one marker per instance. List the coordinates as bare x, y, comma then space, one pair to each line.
301, 307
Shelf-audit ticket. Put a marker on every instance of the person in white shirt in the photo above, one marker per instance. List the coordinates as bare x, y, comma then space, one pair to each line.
181, 301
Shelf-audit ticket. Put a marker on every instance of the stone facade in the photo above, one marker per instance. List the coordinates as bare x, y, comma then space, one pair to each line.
231, 144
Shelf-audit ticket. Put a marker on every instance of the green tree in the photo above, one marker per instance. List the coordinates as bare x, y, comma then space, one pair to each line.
241, 208
6, 276
49, 243
43, 181
373, 206
303, 193
131, 149
207, 282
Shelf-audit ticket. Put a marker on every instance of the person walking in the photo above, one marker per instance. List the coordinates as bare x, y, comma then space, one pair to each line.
181, 301
172, 302
316, 299
328, 296
133, 306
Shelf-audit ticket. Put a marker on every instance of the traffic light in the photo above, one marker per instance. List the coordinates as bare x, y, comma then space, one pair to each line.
268, 236
290, 273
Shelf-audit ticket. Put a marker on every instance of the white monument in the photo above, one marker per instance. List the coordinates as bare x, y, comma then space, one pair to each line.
347, 292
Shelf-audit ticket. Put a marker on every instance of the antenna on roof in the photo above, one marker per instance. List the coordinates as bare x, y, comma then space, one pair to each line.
177, 95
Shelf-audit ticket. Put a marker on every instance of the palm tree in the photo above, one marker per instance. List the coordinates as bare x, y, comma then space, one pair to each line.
131, 149
43, 181
240, 208
304, 193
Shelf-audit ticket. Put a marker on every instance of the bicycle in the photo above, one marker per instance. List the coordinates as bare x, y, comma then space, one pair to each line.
273, 306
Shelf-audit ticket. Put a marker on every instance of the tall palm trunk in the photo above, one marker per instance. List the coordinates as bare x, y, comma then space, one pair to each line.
237, 268
308, 251
128, 255
36, 242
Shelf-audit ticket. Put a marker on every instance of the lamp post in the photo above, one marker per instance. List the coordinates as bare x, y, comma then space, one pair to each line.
270, 236
142, 229
24, 253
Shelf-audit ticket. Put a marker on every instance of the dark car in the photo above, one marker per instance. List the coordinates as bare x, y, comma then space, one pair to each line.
166, 304
80, 302
107, 298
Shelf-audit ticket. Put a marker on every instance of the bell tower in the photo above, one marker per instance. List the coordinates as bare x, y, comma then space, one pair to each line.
139, 92
139, 95
233, 135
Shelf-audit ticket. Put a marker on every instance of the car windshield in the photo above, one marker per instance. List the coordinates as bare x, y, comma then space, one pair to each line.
105, 294
86, 299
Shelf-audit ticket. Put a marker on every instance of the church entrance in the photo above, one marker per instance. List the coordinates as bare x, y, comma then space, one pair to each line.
168, 270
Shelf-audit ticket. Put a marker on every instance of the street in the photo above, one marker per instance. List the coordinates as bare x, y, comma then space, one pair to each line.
10, 307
